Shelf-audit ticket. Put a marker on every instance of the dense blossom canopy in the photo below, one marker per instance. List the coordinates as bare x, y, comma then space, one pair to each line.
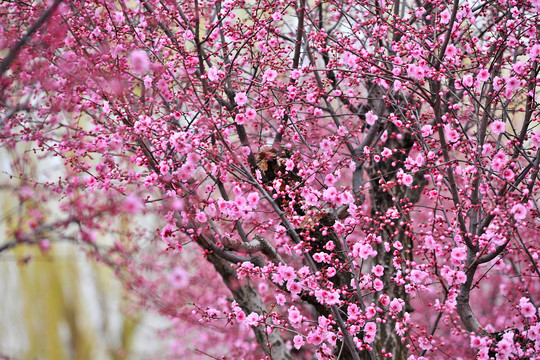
340, 179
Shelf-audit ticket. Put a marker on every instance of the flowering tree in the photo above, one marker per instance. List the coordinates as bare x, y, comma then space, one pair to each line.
345, 179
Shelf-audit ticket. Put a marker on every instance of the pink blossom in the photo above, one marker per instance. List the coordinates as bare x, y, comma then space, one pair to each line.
519, 211
498, 127
508, 174
294, 316
520, 67
499, 160
213, 74
527, 309
245, 150
378, 285
426, 130
44, 245
252, 319
407, 180
240, 119
452, 134
417, 276
534, 52
451, 51
287, 272
468, 81
512, 83
424, 343
396, 305
483, 75
178, 278
314, 338
332, 298
188, 35
371, 118
298, 341
253, 199
419, 11
386, 153
294, 287
270, 75
241, 99
384, 300
201, 218
132, 204
139, 61
459, 253
280, 299
378, 270
250, 113
330, 194
445, 17
370, 328
295, 74
461, 277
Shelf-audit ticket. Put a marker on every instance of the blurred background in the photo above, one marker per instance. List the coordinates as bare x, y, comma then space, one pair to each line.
57, 303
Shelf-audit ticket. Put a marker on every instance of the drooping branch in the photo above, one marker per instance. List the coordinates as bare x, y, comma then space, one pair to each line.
14, 51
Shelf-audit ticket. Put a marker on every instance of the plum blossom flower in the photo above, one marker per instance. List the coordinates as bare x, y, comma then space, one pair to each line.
276, 16
188, 35
378, 285
332, 298
508, 174
420, 11
527, 309
371, 118
378, 270
132, 204
407, 179
295, 74
451, 51
426, 130
246, 150
451, 134
459, 253
468, 81
250, 113
417, 276
519, 211
298, 341
253, 199
213, 74
240, 119
252, 319
445, 17
512, 83
534, 52
483, 75
396, 305
178, 278
370, 327
498, 162
294, 316
424, 343
461, 277
280, 299
363, 251
498, 127
270, 75
241, 99
201, 218
139, 61
519, 67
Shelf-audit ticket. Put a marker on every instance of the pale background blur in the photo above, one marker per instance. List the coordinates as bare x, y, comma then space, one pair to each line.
60, 305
